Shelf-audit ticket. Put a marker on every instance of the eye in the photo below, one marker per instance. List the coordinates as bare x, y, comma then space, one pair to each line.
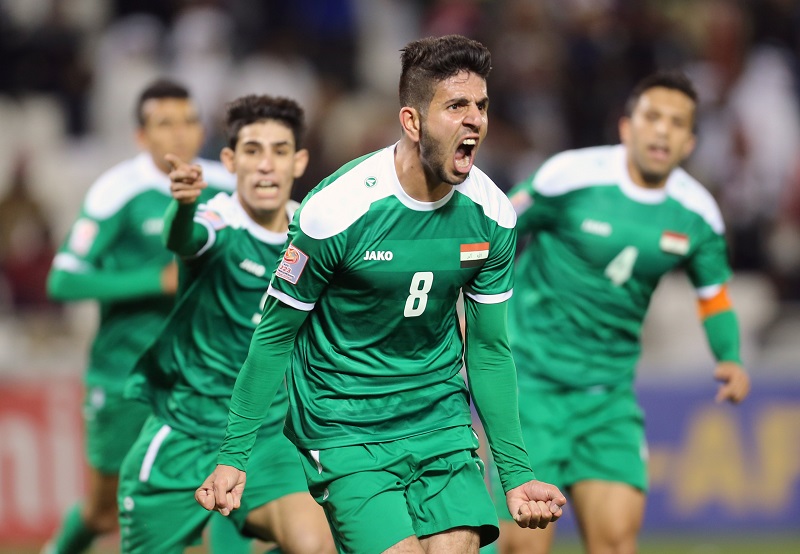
680, 123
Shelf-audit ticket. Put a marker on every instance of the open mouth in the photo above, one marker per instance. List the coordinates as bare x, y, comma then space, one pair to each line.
266, 185
660, 153
464, 155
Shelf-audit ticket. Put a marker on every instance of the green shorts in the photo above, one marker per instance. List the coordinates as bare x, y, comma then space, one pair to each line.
112, 425
159, 476
576, 435
375, 495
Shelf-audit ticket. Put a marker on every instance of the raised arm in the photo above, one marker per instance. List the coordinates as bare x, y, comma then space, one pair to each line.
182, 234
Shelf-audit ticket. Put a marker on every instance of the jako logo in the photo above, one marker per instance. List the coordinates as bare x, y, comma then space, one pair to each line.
382, 255
252, 267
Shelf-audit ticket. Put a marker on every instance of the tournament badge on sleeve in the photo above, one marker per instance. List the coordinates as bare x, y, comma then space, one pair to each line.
292, 265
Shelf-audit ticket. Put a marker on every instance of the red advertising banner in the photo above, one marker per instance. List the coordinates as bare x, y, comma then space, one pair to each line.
41, 456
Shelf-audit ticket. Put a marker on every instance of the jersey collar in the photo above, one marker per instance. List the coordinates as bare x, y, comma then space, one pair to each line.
269, 237
631, 189
404, 198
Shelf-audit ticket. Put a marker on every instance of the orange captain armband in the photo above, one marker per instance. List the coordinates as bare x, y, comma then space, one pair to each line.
720, 302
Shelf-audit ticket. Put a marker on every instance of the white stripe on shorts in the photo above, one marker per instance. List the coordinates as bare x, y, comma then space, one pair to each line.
152, 451
315, 455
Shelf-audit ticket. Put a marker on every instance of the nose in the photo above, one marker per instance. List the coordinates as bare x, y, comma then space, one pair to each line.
474, 117
661, 126
265, 163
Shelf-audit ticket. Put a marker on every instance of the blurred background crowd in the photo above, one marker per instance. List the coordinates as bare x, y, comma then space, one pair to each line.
70, 71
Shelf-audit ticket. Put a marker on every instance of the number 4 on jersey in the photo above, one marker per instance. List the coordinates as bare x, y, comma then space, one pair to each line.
620, 269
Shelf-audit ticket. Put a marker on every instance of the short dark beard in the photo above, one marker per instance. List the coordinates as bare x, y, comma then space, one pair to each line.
433, 153
652, 180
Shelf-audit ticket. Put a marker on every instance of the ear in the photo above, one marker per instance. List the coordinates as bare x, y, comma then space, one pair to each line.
624, 126
688, 148
300, 162
410, 120
141, 138
227, 157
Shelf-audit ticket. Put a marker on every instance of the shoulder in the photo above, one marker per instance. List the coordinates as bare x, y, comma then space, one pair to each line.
344, 197
216, 175
116, 187
581, 168
484, 192
693, 196
220, 211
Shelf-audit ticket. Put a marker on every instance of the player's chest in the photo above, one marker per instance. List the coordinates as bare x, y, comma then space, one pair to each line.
650, 238
392, 253
247, 265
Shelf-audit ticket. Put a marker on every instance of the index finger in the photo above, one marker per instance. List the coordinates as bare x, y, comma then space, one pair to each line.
204, 494
174, 161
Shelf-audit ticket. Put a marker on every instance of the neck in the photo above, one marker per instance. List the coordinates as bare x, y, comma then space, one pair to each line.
417, 182
641, 180
275, 221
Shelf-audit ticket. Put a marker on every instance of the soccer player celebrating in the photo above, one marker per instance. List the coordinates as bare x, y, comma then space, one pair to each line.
362, 308
605, 224
113, 254
228, 249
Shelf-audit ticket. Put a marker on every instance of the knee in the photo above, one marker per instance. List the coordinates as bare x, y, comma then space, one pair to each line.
614, 541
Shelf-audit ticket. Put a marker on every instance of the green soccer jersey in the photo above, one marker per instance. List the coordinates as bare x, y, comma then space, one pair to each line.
114, 254
189, 371
380, 354
598, 246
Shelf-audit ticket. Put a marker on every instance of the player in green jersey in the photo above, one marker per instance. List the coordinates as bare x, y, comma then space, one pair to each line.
228, 249
362, 308
114, 255
605, 224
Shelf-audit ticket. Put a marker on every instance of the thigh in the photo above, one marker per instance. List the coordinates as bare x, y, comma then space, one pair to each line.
112, 425
157, 510
609, 514
447, 490
456, 541
99, 509
276, 504
294, 521
362, 490
610, 445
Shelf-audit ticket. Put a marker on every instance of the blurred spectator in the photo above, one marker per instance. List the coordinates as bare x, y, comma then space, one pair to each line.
749, 124
26, 247
200, 55
41, 53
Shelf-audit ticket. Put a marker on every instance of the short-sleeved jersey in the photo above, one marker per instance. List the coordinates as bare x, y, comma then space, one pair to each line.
118, 229
378, 357
188, 373
598, 246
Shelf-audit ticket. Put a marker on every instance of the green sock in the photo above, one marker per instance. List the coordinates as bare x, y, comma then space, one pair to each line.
74, 537
224, 537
